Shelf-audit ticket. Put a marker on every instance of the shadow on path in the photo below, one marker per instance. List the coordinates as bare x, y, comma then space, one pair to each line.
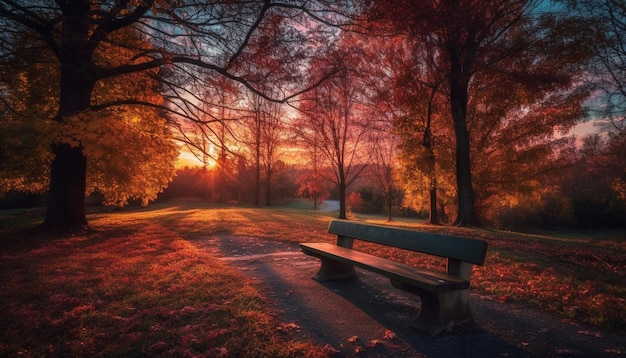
367, 317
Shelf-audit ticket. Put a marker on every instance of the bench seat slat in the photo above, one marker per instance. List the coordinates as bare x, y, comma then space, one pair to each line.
428, 280
458, 248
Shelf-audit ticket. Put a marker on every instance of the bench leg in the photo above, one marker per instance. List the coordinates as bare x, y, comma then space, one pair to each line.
334, 270
440, 311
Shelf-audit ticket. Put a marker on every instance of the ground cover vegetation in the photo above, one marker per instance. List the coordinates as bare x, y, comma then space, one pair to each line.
141, 284
137, 288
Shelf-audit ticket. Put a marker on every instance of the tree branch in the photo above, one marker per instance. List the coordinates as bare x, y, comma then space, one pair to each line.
24, 16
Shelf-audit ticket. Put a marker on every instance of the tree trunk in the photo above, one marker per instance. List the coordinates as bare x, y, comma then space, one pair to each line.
465, 194
66, 199
342, 200
461, 58
257, 182
389, 203
433, 218
466, 211
268, 188
65, 209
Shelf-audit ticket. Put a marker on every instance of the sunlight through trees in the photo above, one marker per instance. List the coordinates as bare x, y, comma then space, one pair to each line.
457, 111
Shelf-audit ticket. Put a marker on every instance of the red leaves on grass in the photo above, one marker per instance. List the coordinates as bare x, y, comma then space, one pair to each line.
288, 327
555, 286
122, 293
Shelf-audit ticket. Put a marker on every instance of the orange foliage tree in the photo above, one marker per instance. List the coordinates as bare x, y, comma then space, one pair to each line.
139, 171
181, 39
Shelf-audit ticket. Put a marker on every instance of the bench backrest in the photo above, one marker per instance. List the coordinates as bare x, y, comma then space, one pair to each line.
454, 247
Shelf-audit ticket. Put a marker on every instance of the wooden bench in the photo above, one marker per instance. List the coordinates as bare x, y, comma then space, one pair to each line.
444, 296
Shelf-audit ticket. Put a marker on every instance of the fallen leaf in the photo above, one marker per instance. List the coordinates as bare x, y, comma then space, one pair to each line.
372, 343
331, 351
220, 352
589, 333
389, 345
389, 334
158, 346
353, 339
525, 344
212, 334
288, 327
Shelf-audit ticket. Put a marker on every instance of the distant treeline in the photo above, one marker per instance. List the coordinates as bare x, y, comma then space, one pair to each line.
582, 202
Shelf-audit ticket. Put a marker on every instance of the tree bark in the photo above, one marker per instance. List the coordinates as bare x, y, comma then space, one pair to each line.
465, 194
433, 218
342, 200
459, 84
268, 188
65, 209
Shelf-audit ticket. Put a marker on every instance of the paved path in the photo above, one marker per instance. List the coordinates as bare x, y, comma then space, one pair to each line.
369, 318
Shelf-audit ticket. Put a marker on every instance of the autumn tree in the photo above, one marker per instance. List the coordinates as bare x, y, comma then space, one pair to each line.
30, 101
182, 38
418, 84
608, 70
332, 120
608, 78
378, 74
264, 135
384, 170
476, 39
313, 183
592, 181
207, 132
23, 135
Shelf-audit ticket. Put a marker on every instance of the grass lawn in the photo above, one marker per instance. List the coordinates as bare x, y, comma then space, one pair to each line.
138, 286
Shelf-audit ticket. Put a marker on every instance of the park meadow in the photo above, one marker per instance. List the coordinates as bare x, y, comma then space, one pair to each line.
141, 284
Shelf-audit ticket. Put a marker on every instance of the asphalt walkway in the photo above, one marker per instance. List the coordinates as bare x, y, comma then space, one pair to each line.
367, 317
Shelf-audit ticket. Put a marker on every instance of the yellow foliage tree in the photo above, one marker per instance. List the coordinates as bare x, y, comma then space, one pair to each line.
129, 148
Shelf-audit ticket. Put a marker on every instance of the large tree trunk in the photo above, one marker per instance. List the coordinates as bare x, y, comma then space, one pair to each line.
465, 193
65, 209
66, 199
459, 84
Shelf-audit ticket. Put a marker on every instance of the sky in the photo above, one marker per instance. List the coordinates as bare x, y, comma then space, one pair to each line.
186, 159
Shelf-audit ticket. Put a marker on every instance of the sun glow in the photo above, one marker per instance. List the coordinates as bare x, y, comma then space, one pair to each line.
187, 159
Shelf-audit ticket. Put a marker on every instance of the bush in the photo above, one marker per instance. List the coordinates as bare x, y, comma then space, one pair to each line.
549, 210
354, 202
